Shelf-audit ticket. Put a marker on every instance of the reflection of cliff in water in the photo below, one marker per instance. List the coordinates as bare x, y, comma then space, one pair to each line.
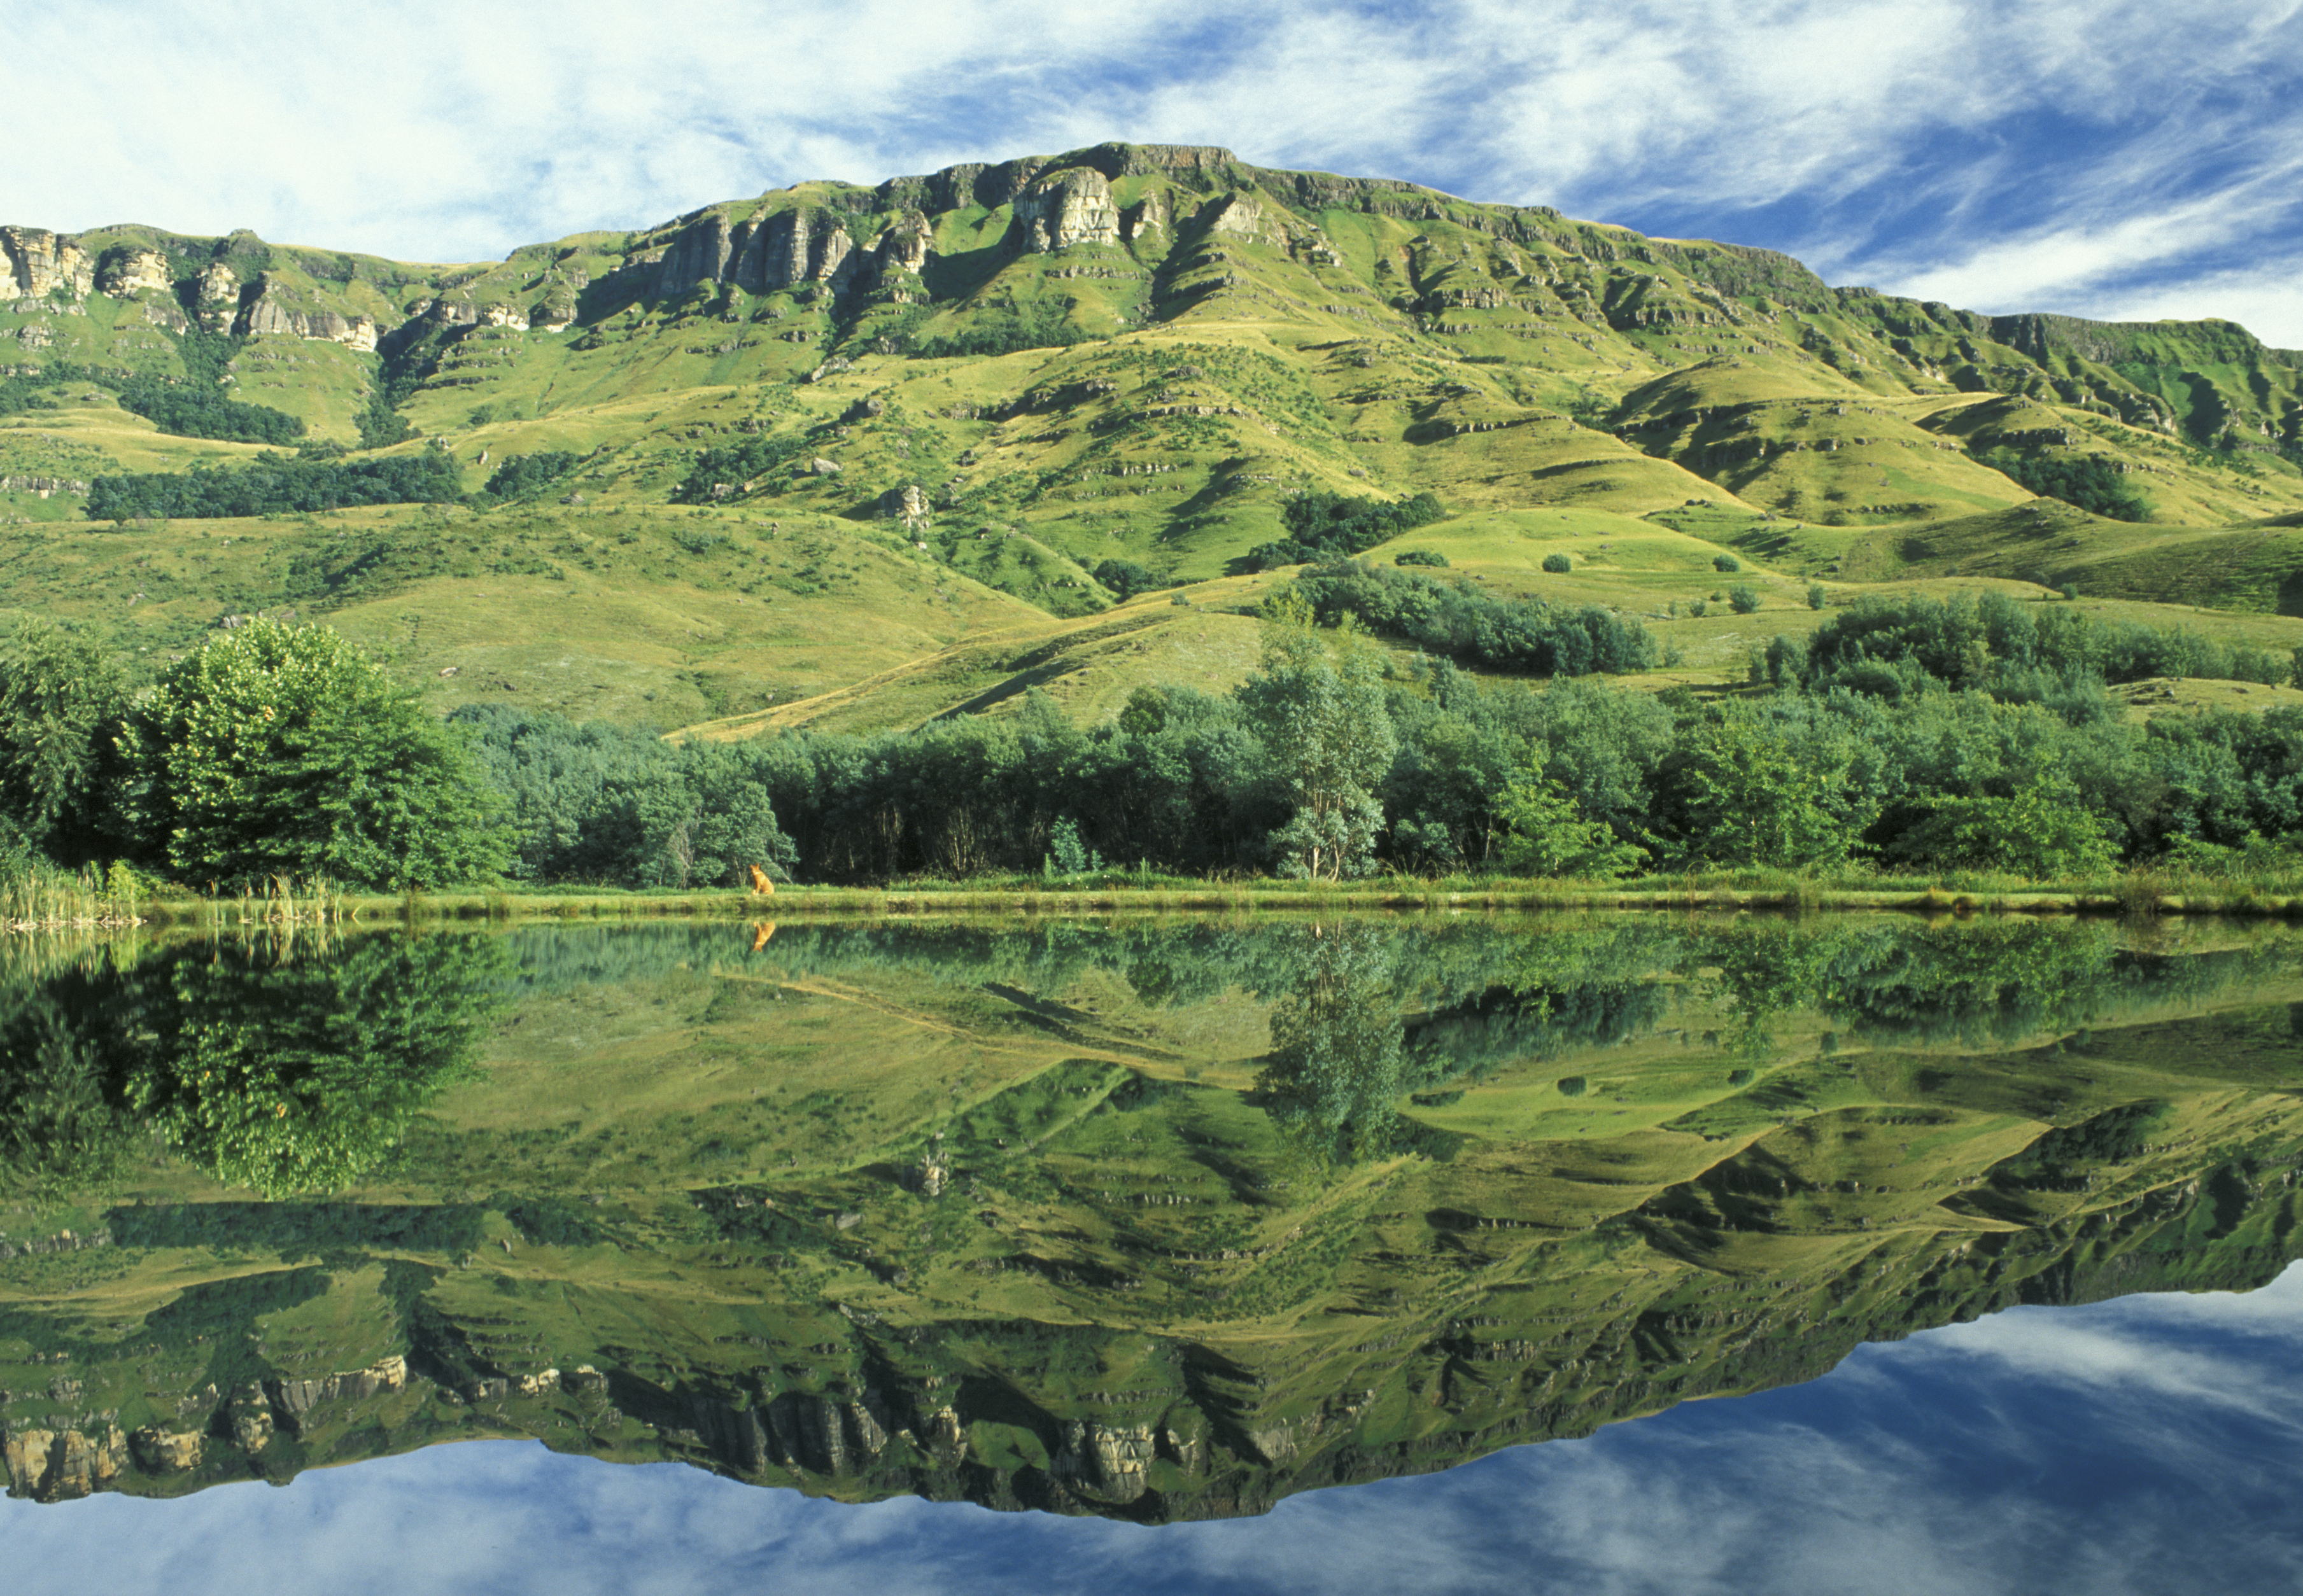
1150, 1222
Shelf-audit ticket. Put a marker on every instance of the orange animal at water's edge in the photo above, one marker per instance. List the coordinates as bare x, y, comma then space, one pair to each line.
761, 884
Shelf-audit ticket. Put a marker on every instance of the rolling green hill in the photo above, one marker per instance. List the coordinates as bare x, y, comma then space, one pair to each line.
929, 411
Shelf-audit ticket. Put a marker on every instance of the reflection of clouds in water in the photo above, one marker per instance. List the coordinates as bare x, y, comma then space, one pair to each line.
2137, 1446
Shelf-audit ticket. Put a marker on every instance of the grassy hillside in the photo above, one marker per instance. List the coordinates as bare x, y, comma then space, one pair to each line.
1004, 378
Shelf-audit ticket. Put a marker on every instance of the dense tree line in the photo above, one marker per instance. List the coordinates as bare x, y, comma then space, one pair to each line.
733, 466
2013, 649
1912, 737
1328, 765
277, 482
521, 477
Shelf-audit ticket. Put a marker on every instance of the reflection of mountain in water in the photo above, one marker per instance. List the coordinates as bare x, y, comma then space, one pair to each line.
1151, 1222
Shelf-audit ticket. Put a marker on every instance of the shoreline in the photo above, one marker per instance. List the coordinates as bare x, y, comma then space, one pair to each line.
2131, 900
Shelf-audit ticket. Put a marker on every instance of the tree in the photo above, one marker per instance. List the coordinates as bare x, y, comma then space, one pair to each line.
2042, 830
278, 749
1754, 796
1329, 739
61, 698
1547, 834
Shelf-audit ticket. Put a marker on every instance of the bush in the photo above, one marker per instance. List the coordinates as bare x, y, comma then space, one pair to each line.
1699, 607
1125, 578
1725, 562
719, 472
1460, 621
1815, 597
1743, 598
2095, 485
1421, 557
1558, 565
1325, 527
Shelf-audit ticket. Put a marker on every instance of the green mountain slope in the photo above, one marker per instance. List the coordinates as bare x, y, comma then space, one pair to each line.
1020, 373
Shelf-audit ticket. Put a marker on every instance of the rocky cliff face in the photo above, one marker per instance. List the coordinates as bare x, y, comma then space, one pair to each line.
57, 1465
215, 297
267, 309
123, 272
1073, 206
40, 264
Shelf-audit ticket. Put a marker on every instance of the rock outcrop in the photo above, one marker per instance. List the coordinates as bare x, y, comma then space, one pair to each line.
1111, 1460
41, 262
166, 1451
267, 310
1071, 206
903, 248
1233, 214
215, 297
293, 1399
125, 271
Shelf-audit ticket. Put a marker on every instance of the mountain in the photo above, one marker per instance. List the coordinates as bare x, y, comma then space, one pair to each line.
946, 402
1049, 1218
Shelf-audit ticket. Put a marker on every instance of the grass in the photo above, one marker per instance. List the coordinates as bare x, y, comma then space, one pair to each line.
2271, 891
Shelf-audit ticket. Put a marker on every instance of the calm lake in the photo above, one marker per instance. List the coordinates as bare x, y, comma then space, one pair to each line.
1378, 1254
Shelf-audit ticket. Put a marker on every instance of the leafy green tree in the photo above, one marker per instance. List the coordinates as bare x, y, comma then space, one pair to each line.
61, 700
1557, 565
58, 1129
1743, 598
278, 749
1547, 834
2042, 830
1329, 738
1754, 796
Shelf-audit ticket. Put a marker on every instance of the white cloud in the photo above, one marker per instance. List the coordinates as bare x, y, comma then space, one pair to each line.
2062, 154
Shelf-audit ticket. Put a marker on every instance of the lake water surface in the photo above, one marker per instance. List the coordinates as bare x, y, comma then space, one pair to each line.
1383, 1254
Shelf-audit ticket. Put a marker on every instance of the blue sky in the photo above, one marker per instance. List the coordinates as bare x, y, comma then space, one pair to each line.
2100, 157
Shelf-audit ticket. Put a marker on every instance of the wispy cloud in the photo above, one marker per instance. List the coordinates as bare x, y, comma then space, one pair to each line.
2095, 155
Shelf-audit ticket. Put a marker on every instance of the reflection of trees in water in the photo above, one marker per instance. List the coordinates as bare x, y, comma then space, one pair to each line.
1333, 1077
1991, 983
57, 1125
279, 1076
